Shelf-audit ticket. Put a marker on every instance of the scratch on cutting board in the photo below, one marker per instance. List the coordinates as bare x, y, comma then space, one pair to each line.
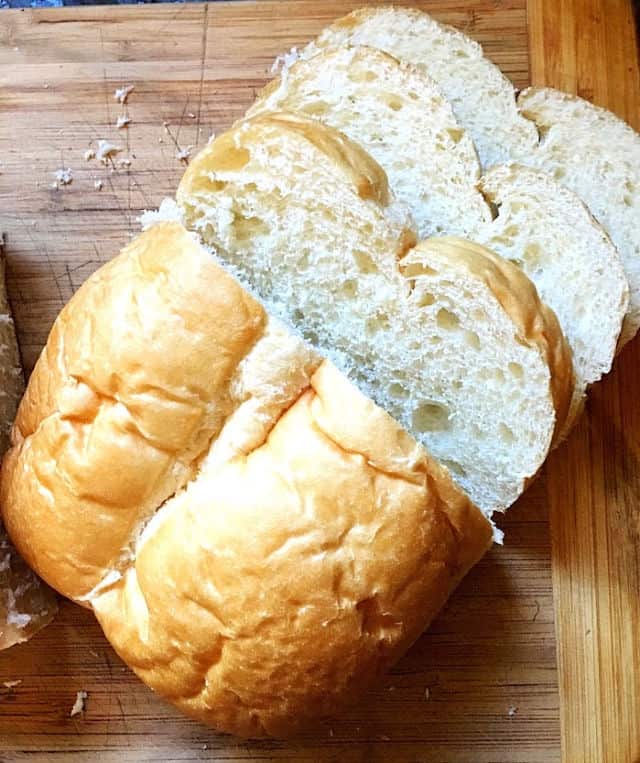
203, 58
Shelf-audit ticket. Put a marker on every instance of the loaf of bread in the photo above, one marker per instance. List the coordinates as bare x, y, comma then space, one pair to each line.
26, 605
398, 114
586, 148
258, 540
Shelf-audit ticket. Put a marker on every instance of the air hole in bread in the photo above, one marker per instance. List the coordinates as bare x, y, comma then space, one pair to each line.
506, 433
358, 75
376, 324
516, 370
349, 289
431, 416
250, 227
559, 173
393, 102
455, 134
418, 269
233, 159
398, 391
447, 320
364, 262
627, 200
472, 339
426, 299
454, 467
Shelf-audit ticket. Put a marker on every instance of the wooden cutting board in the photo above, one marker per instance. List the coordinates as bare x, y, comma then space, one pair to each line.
482, 685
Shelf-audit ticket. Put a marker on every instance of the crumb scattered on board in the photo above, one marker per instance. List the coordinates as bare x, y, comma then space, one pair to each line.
184, 154
78, 706
12, 684
512, 711
122, 121
63, 177
427, 693
107, 150
89, 154
97, 184
122, 93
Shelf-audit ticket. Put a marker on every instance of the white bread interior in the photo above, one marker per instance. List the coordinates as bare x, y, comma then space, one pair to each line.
483, 99
434, 337
398, 115
597, 155
258, 540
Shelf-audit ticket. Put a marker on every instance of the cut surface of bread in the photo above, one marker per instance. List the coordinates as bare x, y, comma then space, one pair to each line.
481, 378
397, 113
597, 155
258, 540
545, 229
26, 605
483, 99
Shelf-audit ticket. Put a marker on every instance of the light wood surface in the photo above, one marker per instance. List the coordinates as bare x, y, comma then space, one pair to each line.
589, 47
489, 661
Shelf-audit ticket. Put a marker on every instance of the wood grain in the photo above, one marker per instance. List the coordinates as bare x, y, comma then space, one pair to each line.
589, 47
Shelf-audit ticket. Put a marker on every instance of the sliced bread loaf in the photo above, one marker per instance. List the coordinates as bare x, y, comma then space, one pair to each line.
398, 114
597, 155
539, 225
450, 339
483, 99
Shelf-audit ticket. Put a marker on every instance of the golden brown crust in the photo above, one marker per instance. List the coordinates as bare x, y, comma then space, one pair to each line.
537, 323
226, 152
314, 585
299, 539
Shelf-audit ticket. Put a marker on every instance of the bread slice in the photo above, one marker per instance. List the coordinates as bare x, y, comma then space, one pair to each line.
451, 340
482, 98
26, 605
257, 539
539, 225
398, 114
545, 229
597, 155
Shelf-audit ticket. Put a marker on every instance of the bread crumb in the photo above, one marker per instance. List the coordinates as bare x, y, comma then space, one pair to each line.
79, 704
12, 684
122, 121
383, 738
64, 177
106, 150
212, 137
54, 186
427, 693
89, 154
160, 140
204, 747
191, 115
285, 60
97, 184
512, 711
184, 154
122, 93
330, 732
126, 162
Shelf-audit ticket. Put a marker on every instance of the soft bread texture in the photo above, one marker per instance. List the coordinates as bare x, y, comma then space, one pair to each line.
398, 114
546, 230
483, 99
26, 605
597, 155
190, 507
482, 380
